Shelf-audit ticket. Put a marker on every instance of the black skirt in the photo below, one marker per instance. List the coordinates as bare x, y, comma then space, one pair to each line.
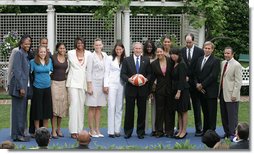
183, 104
41, 105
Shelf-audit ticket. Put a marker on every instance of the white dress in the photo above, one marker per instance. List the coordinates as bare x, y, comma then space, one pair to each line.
95, 74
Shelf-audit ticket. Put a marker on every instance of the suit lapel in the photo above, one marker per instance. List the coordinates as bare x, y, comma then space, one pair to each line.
133, 63
141, 63
207, 62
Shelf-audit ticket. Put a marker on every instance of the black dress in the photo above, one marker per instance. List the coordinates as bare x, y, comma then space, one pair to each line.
179, 83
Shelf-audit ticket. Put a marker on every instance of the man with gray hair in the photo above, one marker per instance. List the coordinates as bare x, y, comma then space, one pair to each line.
132, 65
206, 81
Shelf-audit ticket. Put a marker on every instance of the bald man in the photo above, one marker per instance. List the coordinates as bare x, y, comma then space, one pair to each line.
83, 139
190, 54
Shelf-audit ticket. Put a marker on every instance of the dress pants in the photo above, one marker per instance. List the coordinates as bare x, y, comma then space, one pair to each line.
129, 114
76, 109
152, 104
196, 108
229, 115
165, 114
115, 108
19, 117
209, 109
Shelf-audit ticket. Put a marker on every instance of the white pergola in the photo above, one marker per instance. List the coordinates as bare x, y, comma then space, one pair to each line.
126, 14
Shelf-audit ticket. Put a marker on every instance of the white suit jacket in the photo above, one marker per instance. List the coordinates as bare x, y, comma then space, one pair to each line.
76, 72
232, 80
112, 73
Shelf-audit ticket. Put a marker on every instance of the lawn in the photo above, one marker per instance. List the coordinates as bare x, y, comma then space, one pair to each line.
244, 116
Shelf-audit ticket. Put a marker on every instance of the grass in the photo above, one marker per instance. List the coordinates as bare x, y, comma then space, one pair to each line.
244, 116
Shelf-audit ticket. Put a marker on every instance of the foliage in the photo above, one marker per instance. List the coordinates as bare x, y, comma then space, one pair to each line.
10, 41
173, 37
184, 145
109, 9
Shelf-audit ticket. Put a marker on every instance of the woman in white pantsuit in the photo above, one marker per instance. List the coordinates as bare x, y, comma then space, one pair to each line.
115, 88
96, 93
77, 85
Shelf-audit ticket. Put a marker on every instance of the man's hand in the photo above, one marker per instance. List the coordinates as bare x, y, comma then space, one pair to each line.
105, 90
199, 86
22, 92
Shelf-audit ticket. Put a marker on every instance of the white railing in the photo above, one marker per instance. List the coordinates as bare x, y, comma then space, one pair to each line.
245, 76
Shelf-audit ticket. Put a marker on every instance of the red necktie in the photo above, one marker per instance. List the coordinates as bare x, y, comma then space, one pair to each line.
224, 70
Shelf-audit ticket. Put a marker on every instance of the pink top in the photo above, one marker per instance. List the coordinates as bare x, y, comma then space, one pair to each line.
163, 69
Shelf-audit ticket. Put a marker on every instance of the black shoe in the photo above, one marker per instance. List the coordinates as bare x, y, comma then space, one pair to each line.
22, 139
117, 135
127, 136
153, 133
159, 134
140, 136
111, 136
199, 133
178, 137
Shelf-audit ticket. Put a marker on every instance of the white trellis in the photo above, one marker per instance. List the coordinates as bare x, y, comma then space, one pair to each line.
65, 27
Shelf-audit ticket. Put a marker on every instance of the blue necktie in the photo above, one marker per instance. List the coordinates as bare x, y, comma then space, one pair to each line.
137, 65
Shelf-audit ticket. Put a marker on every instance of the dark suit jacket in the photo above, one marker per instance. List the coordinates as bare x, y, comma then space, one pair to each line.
129, 69
164, 84
208, 76
244, 144
20, 76
197, 52
179, 77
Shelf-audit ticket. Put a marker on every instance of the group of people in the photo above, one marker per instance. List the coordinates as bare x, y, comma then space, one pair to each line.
173, 80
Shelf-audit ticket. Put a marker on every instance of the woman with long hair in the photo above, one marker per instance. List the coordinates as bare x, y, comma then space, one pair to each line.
58, 89
115, 89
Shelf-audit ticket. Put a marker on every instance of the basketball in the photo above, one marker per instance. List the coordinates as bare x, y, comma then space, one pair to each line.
138, 79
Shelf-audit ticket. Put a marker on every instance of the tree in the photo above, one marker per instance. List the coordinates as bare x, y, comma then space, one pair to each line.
226, 22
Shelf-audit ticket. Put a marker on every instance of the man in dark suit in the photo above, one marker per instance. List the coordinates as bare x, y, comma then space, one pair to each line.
206, 80
135, 64
190, 54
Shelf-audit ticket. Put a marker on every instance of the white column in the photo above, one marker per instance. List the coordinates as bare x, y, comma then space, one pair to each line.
126, 31
51, 28
118, 25
201, 36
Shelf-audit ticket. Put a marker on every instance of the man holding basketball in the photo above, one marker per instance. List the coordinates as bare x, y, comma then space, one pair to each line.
132, 65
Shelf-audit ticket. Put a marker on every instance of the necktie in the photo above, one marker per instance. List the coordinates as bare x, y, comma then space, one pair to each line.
189, 55
224, 70
137, 65
203, 63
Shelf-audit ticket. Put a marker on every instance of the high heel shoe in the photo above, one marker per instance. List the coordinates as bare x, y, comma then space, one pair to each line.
54, 137
93, 135
74, 136
59, 134
178, 137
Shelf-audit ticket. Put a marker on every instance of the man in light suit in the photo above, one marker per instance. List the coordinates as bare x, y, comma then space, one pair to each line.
207, 73
190, 54
135, 64
229, 92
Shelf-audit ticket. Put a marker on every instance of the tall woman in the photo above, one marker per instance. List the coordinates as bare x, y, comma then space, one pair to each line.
96, 97
115, 89
18, 89
180, 89
77, 85
161, 68
149, 51
58, 89
41, 106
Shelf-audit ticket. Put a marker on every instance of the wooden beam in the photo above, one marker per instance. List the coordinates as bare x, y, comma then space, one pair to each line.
87, 3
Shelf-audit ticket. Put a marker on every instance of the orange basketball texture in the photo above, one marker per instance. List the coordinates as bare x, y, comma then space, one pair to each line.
138, 79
